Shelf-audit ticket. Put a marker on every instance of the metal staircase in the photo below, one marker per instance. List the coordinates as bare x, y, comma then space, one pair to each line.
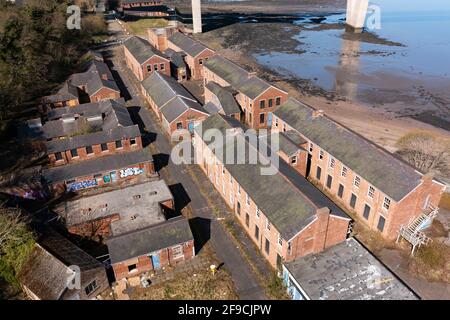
412, 232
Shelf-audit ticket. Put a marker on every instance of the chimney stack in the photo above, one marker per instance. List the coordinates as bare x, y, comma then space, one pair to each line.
317, 113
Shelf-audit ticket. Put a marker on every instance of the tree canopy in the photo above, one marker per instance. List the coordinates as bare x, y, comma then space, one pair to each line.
37, 50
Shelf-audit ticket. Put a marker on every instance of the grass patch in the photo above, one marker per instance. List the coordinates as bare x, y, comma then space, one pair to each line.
197, 286
433, 262
445, 201
140, 27
276, 289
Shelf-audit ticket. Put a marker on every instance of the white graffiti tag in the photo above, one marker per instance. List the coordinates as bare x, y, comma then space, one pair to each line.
130, 172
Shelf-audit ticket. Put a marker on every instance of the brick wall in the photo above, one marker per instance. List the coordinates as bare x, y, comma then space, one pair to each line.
256, 110
97, 152
104, 94
396, 215
94, 228
310, 239
186, 118
147, 167
144, 263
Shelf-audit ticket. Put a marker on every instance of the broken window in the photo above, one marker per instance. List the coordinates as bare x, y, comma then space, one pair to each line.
91, 287
74, 153
386, 203
353, 201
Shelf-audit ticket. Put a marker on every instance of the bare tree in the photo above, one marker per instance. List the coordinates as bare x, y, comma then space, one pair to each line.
425, 152
12, 224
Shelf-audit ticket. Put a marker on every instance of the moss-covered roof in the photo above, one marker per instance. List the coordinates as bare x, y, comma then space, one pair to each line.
380, 168
286, 208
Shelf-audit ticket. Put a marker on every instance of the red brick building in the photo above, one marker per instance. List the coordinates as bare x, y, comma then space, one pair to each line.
117, 170
81, 133
117, 211
142, 58
196, 53
136, 222
383, 191
257, 98
168, 243
47, 272
284, 215
96, 83
173, 104
221, 100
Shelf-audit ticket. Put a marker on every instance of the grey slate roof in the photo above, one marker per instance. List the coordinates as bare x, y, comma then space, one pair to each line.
177, 58
145, 241
162, 89
212, 108
85, 168
187, 44
225, 97
237, 77
84, 109
141, 49
227, 70
96, 77
108, 121
67, 92
95, 138
290, 142
380, 168
286, 207
47, 270
177, 106
347, 271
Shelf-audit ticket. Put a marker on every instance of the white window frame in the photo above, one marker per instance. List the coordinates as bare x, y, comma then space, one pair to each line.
294, 160
280, 241
257, 213
311, 147
239, 189
369, 193
179, 255
388, 202
231, 198
331, 163
268, 225
247, 199
344, 172
357, 181
321, 154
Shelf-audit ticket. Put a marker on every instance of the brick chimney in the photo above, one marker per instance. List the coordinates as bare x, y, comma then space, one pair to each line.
321, 229
317, 113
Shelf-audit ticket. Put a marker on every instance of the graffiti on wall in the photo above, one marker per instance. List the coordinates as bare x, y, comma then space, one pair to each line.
82, 185
130, 172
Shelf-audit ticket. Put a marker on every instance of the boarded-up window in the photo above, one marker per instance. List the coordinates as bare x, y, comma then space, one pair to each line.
318, 173
353, 201
366, 212
341, 191
267, 246
329, 181
381, 222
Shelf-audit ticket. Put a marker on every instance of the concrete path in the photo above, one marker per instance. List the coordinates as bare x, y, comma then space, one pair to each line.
244, 279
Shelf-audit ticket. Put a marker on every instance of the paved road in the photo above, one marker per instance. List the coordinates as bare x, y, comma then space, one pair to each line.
243, 276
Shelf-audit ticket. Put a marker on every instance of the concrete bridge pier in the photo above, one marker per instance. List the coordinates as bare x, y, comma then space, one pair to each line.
196, 16
356, 15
